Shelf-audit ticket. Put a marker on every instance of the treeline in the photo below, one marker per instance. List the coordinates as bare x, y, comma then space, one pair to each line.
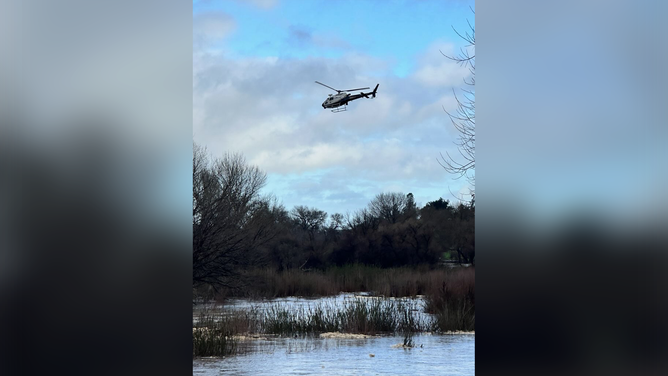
235, 228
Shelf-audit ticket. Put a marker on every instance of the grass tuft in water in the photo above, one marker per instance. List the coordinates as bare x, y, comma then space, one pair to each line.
408, 327
373, 316
214, 338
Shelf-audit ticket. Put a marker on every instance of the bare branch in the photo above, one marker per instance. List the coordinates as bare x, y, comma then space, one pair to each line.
463, 119
230, 218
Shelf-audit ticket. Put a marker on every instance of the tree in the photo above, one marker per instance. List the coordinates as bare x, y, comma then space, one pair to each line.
311, 221
463, 119
362, 221
389, 207
334, 227
439, 204
230, 218
463, 233
410, 209
336, 221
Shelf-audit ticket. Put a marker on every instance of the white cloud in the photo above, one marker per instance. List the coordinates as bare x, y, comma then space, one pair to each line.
436, 70
307, 158
211, 27
269, 109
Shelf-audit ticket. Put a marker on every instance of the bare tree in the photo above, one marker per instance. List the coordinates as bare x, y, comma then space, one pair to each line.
463, 118
336, 221
230, 218
362, 221
389, 207
309, 220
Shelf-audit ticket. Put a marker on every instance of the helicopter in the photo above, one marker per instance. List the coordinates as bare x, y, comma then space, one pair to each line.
342, 97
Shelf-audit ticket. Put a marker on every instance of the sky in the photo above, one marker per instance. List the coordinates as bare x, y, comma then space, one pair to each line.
255, 64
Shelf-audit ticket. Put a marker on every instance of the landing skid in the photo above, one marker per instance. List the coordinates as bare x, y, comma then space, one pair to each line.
340, 109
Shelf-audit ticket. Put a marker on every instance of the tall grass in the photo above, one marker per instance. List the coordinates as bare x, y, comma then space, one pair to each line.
394, 282
213, 338
449, 296
373, 316
363, 317
453, 302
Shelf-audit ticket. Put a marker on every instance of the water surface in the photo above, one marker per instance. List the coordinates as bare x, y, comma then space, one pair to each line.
434, 355
443, 354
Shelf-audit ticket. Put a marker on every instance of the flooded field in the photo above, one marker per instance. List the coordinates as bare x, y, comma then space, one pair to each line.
432, 354
216, 310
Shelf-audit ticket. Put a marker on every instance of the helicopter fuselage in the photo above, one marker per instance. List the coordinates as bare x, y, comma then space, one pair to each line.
342, 97
336, 100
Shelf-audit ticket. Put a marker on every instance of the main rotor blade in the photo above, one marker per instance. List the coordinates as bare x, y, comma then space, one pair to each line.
338, 91
362, 88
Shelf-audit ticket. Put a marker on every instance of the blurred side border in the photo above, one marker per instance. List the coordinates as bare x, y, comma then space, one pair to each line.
95, 187
570, 188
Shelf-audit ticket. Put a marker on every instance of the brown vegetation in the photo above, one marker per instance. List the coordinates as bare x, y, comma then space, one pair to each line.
453, 302
390, 282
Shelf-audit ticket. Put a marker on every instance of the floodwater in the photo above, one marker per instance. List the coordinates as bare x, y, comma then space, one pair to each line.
214, 310
437, 354
451, 354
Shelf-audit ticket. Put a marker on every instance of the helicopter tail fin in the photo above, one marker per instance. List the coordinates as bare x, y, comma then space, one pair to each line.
373, 93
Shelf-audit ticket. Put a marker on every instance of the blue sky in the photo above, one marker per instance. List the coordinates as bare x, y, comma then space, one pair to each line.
395, 31
255, 63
